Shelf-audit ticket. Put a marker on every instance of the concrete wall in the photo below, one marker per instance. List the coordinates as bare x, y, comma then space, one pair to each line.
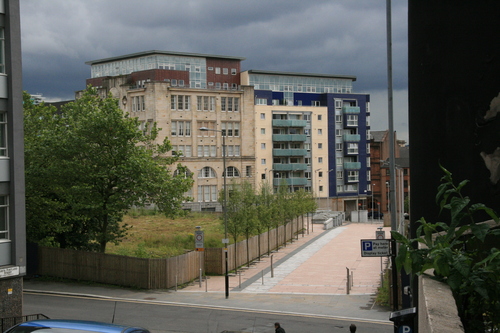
437, 309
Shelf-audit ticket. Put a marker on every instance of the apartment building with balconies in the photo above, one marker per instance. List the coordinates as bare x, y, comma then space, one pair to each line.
311, 132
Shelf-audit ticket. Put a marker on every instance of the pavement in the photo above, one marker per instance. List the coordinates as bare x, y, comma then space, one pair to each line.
308, 276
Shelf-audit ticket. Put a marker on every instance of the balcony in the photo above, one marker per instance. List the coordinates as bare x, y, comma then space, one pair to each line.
352, 165
290, 181
289, 152
289, 123
289, 137
352, 137
350, 109
289, 167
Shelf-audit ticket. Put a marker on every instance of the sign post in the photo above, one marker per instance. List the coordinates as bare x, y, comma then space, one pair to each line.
199, 240
375, 247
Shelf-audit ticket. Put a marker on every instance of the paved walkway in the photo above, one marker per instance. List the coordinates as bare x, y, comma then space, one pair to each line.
314, 264
310, 277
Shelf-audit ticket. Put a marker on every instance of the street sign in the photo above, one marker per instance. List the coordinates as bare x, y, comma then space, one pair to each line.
199, 240
380, 234
375, 247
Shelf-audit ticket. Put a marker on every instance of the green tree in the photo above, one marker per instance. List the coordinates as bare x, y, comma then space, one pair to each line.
86, 166
265, 200
248, 213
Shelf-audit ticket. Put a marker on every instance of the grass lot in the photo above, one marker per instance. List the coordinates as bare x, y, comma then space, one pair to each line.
155, 236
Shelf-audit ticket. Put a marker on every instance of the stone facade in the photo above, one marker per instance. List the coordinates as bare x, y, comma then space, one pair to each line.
11, 297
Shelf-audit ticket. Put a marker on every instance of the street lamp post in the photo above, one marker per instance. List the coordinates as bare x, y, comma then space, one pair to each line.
225, 241
316, 177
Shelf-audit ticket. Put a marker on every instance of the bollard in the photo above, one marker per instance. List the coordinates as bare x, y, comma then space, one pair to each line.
272, 270
262, 277
206, 284
239, 274
348, 284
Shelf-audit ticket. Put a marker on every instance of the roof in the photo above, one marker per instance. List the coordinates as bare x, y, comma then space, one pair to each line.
152, 52
328, 76
378, 136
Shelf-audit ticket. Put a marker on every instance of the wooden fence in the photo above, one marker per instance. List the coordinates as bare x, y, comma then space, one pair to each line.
158, 273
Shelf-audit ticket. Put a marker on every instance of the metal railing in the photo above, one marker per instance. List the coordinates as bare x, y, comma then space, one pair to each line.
6, 323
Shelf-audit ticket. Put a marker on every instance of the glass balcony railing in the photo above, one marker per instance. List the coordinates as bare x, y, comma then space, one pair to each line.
352, 137
352, 165
289, 137
289, 167
290, 181
289, 152
350, 109
289, 123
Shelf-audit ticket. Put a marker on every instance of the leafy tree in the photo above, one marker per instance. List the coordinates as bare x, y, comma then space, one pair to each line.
248, 213
458, 255
265, 200
88, 164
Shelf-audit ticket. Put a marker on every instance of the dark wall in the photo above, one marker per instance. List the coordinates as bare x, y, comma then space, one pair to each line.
454, 74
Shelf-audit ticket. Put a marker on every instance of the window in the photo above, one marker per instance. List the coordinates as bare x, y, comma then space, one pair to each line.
261, 101
225, 86
321, 188
180, 102
338, 146
181, 150
307, 146
307, 174
338, 132
138, 104
209, 125
262, 131
352, 120
217, 70
231, 172
180, 128
217, 85
207, 151
207, 193
205, 103
316, 103
307, 131
339, 161
320, 146
367, 147
3, 134
225, 71
352, 148
340, 174
206, 172
262, 116
263, 161
230, 104
320, 174
263, 176
352, 176
232, 150
320, 131
338, 118
276, 102
320, 159
4, 217
320, 117
249, 170
307, 160
338, 103
233, 71
230, 129
262, 146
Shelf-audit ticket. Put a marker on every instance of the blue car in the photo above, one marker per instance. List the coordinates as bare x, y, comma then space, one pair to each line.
72, 326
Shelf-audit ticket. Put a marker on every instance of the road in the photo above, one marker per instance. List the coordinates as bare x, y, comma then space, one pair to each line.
179, 317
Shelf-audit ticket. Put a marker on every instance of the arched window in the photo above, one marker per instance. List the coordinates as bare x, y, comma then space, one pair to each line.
206, 172
184, 171
232, 172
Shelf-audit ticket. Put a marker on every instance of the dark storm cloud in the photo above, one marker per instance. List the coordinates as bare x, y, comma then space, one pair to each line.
316, 36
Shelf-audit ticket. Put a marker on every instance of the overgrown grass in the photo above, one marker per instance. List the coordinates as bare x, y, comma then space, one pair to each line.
383, 292
155, 236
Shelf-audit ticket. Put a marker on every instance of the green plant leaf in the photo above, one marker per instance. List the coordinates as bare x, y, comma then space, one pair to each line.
480, 231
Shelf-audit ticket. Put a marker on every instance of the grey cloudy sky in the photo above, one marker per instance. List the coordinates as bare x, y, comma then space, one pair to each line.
345, 37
